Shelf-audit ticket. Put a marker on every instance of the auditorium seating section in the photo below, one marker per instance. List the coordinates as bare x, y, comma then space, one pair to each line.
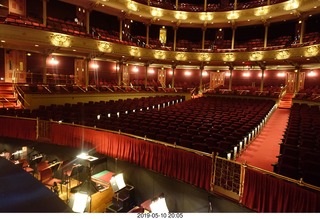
308, 94
300, 147
270, 92
73, 28
208, 124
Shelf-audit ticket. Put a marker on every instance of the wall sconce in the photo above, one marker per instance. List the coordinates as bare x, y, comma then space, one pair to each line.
246, 74
206, 16
262, 11
53, 61
281, 75
283, 54
255, 56
311, 51
104, 46
312, 74
179, 15
60, 40
229, 57
158, 54
233, 15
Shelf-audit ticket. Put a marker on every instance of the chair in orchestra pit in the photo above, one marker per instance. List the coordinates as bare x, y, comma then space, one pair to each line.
73, 173
47, 178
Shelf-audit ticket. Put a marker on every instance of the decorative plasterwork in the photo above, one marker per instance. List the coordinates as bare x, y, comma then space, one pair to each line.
311, 51
283, 54
158, 54
104, 46
181, 56
229, 57
256, 56
60, 40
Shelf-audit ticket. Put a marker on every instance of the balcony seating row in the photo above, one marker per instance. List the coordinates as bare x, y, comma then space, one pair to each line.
73, 28
211, 7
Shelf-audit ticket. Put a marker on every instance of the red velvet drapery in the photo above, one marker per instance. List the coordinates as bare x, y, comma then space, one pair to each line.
18, 128
176, 163
265, 193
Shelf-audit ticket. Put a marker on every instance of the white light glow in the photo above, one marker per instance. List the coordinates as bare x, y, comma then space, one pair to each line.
281, 75
205, 74
159, 206
246, 74
80, 202
227, 74
53, 61
94, 65
187, 73
135, 69
151, 71
312, 74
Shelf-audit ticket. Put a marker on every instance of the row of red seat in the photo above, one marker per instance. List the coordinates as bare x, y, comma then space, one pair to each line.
171, 5
73, 28
300, 147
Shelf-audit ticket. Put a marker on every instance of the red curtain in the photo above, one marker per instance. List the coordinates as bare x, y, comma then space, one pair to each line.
264, 193
18, 128
176, 163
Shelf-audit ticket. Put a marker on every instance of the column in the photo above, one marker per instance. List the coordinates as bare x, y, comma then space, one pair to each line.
173, 74
230, 79
177, 4
302, 31
262, 78
88, 21
266, 29
44, 12
86, 72
297, 82
235, 5
146, 76
233, 36
203, 37
120, 29
147, 37
205, 5
44, 68
201, 71
120, 72
175, 38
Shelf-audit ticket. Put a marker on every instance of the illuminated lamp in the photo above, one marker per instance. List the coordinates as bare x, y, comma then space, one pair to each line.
187, 73
117, 183
281, 75
312, 74
80, 202
246, 74
159, 205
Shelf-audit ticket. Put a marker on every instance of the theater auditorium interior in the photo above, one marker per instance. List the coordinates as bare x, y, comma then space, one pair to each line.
160, 106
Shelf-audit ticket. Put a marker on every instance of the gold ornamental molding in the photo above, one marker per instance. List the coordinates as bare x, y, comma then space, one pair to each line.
291, 5
229, 57
131, 5
261, 11
134, 51
60, 40
180, 15
204, 57
158, 54
283, 54
311, 51
181, 56
104, 46
256, 56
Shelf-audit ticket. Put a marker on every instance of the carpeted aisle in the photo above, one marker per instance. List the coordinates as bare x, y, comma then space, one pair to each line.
263, 150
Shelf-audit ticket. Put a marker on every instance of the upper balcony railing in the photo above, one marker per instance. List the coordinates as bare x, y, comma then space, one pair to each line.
209, 7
